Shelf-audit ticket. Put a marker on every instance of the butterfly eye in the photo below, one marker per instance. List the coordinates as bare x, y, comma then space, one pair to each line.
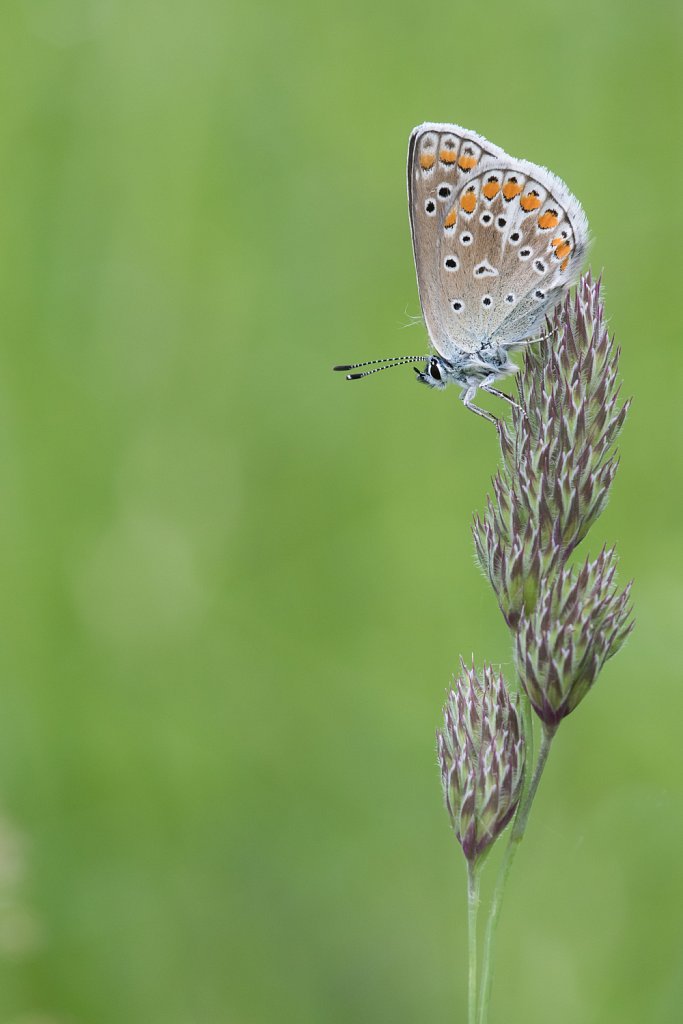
434, 370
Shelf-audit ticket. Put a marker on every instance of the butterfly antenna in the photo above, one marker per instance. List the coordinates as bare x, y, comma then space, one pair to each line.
392, 361
369, 373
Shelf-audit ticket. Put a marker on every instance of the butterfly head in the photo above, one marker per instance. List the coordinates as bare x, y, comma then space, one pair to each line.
435, 373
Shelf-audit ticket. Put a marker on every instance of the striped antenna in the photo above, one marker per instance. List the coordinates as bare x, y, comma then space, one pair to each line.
391, 360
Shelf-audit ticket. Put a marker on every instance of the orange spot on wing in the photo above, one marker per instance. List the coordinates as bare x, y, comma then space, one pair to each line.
549, 219
450, 218
467, 162
427, 161
491, 189
511, 189
468, 202
563, 265
563, 249
529, 202
447, 156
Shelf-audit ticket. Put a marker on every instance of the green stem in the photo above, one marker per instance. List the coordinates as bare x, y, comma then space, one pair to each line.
516, 836
528, 719
472, 908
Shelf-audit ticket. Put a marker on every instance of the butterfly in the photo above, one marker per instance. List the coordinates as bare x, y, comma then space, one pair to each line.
497, 243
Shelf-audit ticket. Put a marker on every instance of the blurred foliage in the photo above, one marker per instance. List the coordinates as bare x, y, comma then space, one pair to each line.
235, 588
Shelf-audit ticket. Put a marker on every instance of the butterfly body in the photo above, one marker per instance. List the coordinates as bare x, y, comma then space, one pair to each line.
497, 242
468, 368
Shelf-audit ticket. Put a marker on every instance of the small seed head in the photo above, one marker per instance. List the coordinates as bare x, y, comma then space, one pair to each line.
481, 755
580, 620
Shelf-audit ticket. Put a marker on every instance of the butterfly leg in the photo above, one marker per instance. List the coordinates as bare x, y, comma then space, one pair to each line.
501, 394
467, 396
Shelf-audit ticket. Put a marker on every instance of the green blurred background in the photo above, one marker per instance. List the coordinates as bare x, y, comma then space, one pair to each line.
235, 588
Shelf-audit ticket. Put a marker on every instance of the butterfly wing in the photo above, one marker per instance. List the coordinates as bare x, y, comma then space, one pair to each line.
497, 242
442, 158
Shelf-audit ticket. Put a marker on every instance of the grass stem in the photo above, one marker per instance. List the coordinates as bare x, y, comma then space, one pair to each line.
473, 907
516, 836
